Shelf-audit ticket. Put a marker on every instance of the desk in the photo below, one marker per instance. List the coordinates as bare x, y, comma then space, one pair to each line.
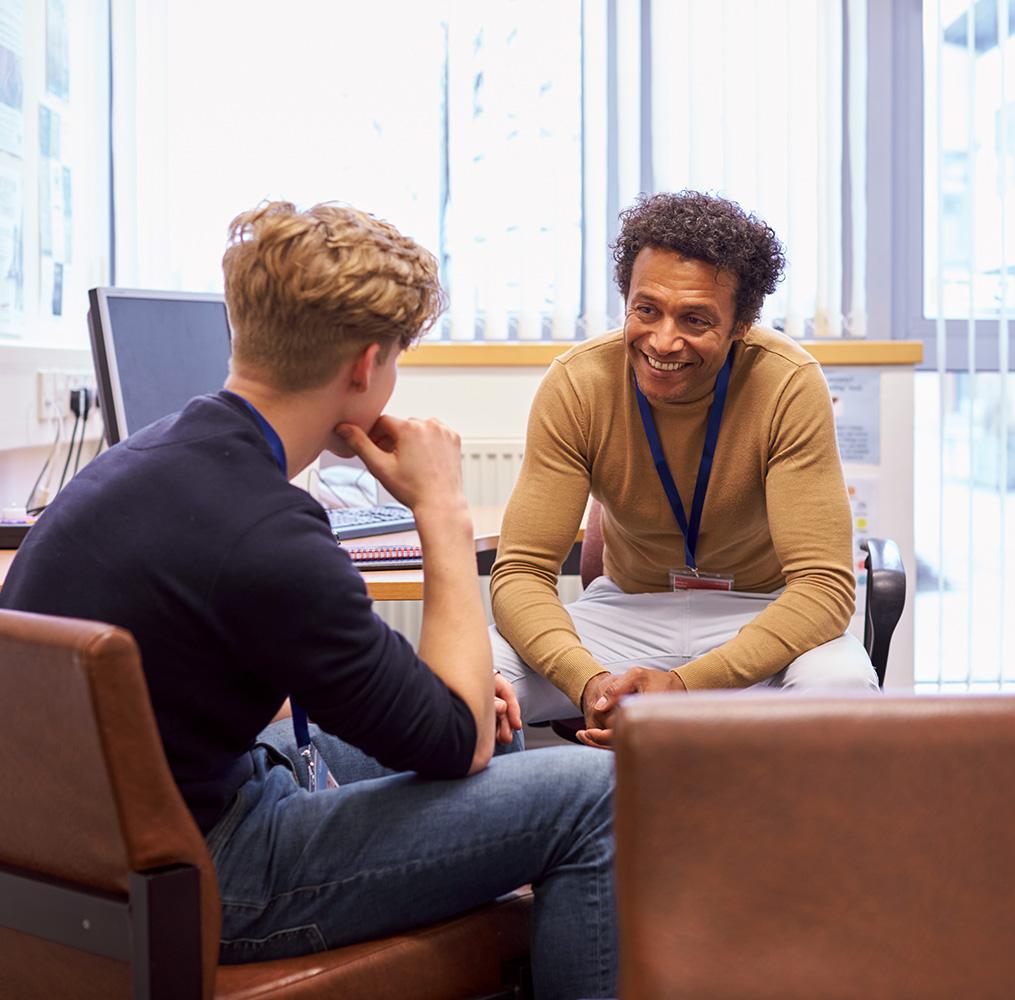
400, 584
407, 584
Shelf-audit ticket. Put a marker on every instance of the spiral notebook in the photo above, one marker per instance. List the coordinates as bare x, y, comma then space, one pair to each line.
385, 556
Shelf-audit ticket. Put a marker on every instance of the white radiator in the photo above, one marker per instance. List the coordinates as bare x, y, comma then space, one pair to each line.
490, 467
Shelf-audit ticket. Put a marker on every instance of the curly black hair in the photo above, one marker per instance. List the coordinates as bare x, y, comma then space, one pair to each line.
707, 228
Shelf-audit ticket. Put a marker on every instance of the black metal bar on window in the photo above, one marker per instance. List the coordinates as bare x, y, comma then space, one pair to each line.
110, 81
880, 287
583, 305
612, 151
646, 177
845, 164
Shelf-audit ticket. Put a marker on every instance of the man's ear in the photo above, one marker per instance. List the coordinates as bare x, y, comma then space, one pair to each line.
740, 330
362, 368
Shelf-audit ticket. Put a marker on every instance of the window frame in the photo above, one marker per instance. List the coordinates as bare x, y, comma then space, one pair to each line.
899, 65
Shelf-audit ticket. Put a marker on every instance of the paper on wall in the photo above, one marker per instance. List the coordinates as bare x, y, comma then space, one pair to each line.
55, 210
57, 49
856, 405
12, 284
12, 83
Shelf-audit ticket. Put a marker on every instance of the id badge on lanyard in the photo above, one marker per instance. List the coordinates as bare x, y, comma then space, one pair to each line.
689, 577
318, 775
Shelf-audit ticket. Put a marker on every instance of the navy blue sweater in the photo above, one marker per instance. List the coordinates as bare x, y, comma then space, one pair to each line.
188, 535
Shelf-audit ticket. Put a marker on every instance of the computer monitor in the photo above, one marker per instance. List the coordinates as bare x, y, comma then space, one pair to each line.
153, 352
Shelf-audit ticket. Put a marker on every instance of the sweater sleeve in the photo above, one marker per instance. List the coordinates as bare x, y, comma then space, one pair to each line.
811, 526
304, 623
538, 530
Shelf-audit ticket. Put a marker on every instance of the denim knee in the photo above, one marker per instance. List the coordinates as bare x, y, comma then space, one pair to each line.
583, 778
598, 778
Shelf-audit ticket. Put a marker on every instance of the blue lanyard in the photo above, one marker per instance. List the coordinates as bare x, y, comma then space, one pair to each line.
269, 432
301, 728
689, 530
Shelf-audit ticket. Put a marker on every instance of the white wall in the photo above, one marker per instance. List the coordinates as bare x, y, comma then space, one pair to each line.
476, 402
24, 439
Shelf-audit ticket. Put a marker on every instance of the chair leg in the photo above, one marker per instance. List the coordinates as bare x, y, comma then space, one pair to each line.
165, 908
517, 976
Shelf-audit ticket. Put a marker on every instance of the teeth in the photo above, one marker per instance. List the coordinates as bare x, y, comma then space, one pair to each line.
662, 366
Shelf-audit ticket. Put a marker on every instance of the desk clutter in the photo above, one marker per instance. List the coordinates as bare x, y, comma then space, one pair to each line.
385, 556
14, 525
357, 522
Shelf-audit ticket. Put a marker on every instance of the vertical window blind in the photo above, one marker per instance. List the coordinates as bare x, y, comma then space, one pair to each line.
756, 101
965, 448
504, 136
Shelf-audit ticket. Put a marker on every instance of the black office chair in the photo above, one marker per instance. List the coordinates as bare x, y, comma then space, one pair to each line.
886, 596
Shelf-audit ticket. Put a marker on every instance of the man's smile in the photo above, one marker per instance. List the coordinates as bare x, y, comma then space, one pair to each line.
664, 366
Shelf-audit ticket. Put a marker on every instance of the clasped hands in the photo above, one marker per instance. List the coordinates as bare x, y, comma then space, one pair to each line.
603, 692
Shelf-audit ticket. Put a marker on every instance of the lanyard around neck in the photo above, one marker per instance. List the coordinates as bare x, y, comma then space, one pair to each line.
689, 529
269, 432
301, 727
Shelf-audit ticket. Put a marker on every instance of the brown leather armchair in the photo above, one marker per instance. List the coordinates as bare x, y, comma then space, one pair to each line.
106, 887
799, 847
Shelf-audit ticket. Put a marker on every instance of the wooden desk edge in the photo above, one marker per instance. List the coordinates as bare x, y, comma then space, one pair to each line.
386, 584
407, 584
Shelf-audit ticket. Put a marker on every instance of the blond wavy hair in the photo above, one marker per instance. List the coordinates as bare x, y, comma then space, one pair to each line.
307, 291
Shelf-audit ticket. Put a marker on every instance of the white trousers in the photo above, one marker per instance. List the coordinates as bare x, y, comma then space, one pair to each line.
666, 630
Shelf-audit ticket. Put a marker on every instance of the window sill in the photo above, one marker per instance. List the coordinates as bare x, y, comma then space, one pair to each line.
540, 354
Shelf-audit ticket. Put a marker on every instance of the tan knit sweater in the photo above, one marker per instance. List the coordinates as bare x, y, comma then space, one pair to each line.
776, 513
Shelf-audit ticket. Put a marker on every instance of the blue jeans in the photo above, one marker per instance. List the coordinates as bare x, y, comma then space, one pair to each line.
301, 872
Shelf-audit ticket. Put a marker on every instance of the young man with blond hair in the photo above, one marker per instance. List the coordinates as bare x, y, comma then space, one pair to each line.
190, 535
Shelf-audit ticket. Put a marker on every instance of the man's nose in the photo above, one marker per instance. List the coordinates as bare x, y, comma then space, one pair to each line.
667, 338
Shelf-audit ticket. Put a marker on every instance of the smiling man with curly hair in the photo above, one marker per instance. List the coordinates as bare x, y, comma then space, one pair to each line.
709, 443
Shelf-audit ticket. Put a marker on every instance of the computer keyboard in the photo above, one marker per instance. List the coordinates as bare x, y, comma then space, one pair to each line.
358, 522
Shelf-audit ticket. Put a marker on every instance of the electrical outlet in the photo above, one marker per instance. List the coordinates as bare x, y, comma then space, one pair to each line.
53, 388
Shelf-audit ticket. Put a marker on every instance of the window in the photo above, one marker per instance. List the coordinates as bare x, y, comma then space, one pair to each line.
969, 142
953, 159
504, 136
964, 526
954, 265
462, 127
766, 104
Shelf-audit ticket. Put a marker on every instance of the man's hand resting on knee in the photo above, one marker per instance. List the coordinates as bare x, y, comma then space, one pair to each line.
505, 705
603, 692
